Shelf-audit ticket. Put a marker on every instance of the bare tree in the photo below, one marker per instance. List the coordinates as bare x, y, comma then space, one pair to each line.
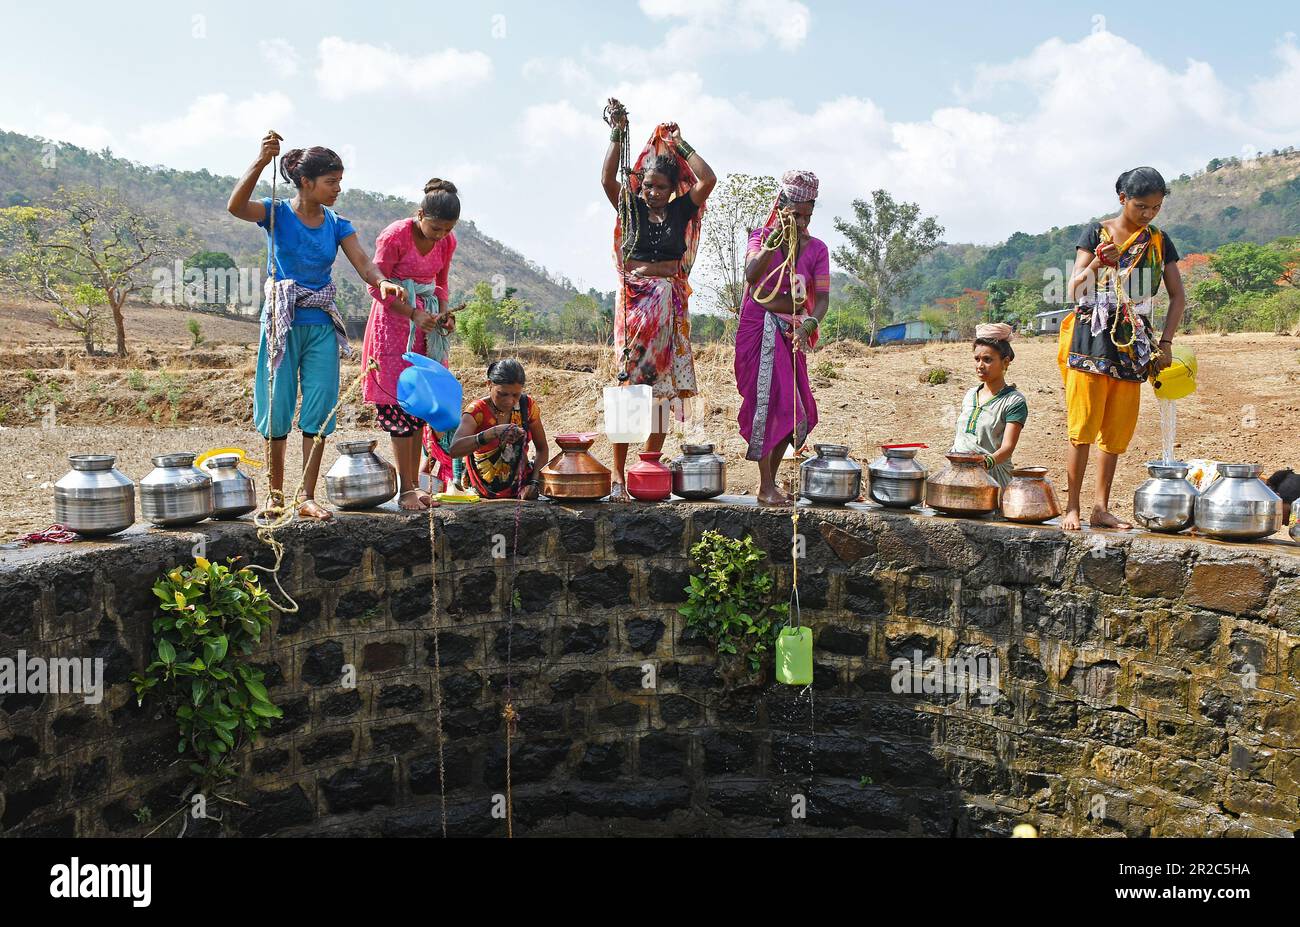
739, 205
82, 238
886, 241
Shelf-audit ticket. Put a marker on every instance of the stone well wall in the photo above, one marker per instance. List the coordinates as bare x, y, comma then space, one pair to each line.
1148, 686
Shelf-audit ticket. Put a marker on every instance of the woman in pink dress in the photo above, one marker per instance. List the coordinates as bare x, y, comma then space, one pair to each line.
777, 405
416, 254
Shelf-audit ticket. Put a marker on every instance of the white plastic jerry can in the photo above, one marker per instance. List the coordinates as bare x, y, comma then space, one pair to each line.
628, 413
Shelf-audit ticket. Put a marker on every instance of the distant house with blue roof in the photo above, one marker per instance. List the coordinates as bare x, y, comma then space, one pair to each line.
909, 332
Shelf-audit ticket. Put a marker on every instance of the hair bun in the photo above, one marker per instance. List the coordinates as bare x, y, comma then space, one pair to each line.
290, 164
438, 185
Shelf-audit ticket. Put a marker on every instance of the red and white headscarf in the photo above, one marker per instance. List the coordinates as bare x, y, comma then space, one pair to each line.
796, 187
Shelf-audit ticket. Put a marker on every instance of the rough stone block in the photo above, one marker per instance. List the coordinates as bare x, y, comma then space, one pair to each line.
360, 788
1156, 577
608, 587
1238, 587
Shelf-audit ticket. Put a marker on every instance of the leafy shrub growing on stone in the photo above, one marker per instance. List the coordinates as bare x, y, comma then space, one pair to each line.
728, 599
212, 619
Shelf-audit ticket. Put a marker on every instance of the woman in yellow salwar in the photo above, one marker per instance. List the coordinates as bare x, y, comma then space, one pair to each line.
1108, 345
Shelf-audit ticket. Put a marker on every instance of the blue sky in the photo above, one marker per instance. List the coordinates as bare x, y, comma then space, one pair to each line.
976, 111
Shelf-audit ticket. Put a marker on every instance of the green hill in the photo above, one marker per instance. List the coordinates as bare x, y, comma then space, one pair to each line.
196, 201
1257, 200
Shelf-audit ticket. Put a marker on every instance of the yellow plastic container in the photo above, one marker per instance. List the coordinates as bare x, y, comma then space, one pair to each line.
456, 498
1179, 378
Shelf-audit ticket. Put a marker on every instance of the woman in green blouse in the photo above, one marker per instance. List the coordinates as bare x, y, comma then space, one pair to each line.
993, 413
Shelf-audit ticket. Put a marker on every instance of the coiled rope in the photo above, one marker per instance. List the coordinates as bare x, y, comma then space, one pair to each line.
614, 112
283, 516
1122, 309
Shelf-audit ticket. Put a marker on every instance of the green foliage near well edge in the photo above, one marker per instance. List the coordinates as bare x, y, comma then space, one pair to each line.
212, 619
728, 599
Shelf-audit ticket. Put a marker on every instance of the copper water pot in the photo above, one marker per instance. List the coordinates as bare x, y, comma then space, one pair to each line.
963, 487
573, 475
1030, 497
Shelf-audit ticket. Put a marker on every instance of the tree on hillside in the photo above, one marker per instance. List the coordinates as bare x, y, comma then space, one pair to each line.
999, 291
886, 241
1208, 297
707, 327
1249, 268
964, 312
1022, 308
579, 318
739, 205
515, 315
80, 237
850, 317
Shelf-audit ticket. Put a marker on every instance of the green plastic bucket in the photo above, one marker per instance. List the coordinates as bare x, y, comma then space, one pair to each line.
794, 661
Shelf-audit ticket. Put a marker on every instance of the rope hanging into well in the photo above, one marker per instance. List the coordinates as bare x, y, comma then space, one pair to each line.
786, 235
437, 668
274, 497
508, 711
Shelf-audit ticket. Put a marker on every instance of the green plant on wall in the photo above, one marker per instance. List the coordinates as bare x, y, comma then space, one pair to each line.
212, 619
728, 599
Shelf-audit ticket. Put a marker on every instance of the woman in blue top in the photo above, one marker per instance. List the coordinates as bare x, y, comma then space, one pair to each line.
308, 333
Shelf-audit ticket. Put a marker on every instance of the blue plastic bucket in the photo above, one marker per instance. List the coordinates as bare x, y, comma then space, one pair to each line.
431, 392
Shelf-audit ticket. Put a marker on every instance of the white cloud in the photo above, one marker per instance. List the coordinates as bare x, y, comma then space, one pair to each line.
280, 56
350, 69
710, 27
60, 127
1029, 147
565, 71
212, 118
1275, 101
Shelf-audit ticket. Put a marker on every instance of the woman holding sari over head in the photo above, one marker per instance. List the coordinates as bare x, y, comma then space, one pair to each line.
660, 208
1107, 345
776, 327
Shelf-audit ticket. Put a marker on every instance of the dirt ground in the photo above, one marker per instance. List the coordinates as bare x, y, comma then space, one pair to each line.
167, 396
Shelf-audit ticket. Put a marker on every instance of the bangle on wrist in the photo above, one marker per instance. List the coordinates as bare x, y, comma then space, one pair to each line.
685, 148
989, 463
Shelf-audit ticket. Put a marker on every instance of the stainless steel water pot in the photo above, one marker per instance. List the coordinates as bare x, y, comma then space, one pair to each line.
1167, 501
895, 479
176, 493
233, 491
360, 478
94, 498
699, 473
832, 477
1239, 506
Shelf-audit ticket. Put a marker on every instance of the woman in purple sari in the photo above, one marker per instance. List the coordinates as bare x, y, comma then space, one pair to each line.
777, 324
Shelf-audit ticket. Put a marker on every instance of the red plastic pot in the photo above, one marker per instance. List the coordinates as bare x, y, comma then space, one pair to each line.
649, 480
